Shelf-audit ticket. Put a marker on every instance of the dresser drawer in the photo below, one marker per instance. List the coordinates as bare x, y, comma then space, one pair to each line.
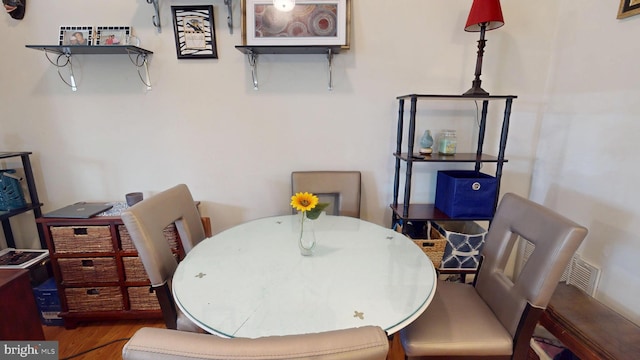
133, 269
89, 299
83, 270
77, 239
140, 298
170, 233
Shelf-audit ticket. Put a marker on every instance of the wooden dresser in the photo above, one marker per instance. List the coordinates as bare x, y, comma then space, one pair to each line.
588, 328
18, 310
97, 269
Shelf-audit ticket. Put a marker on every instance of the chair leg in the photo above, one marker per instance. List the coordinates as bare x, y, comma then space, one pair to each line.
169, 312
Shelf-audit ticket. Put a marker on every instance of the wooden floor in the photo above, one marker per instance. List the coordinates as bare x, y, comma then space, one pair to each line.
92, 334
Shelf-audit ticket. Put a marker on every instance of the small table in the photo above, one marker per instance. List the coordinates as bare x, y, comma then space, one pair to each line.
251, 281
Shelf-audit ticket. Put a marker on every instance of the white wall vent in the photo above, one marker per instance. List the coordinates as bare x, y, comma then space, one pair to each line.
583, 275
579, 273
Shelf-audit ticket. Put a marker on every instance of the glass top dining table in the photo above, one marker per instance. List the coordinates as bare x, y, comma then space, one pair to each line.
251, 280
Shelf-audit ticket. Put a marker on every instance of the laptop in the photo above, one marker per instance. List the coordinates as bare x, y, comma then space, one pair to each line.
81, 210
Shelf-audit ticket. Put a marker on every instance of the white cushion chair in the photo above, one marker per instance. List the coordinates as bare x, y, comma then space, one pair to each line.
341, 189
363, 343
495, 318
145, 222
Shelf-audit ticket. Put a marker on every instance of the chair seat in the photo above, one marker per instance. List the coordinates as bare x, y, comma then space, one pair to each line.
432, 334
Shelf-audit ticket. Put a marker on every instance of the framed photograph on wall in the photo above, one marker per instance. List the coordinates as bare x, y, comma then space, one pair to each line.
194, 31
628, 8
75, 35
311, 22
112, 35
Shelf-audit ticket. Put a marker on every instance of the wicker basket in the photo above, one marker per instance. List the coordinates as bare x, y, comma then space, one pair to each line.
94, 299
80, 270
140, 298
133, 269
72, 239
126, 244
11, 195
434, 247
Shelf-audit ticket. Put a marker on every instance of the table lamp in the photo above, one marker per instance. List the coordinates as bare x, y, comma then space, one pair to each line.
484, 15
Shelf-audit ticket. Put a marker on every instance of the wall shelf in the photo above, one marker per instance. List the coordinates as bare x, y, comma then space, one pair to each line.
137, 55
252, 52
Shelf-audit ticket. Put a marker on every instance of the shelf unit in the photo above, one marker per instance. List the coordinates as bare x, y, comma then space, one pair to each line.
407, 211
252, 52
33, 203
65, 53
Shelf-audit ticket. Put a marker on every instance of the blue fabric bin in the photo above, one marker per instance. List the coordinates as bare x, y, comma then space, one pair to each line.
462, 193
48, 302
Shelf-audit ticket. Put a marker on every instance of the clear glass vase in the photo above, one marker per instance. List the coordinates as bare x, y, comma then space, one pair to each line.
307, 238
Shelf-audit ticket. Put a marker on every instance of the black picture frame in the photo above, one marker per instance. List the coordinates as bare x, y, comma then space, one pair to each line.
194, 30
628, 8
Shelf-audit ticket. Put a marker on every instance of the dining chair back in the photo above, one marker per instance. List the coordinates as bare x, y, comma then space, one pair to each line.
495, 317
145, 222
363, 343
341, 189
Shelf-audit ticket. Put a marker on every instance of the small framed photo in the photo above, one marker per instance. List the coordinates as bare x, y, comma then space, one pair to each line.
311, 22
75, 35
195, 32
112, 35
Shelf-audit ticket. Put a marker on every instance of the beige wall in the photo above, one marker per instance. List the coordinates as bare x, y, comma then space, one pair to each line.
204, 125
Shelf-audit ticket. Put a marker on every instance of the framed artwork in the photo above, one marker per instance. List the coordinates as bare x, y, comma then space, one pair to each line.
195, 32
75, 35
628, 8
311, 22
112, 35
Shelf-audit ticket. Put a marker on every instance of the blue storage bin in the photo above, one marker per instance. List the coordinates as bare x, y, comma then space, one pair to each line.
462, 193
48, 302
11, 195
465, 240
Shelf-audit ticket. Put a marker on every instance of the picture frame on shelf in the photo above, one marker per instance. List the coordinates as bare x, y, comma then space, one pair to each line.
312, 22
112, 35
75, 35
628, 8
194, 31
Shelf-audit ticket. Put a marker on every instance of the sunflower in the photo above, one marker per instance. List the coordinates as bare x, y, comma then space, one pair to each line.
304, 201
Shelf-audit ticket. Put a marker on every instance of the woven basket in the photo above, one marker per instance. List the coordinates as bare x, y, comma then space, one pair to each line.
140, 298
72, 239
126, 244
94, 299
80, 270
133, 269
11, 195
434, 247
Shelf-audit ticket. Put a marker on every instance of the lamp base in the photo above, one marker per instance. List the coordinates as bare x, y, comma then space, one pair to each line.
476, 90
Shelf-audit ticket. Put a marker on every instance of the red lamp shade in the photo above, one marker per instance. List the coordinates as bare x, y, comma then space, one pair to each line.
484, 11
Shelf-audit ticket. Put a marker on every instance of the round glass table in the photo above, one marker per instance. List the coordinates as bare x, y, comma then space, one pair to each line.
251, 280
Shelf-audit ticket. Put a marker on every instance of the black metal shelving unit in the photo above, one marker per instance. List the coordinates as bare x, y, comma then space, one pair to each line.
33, 204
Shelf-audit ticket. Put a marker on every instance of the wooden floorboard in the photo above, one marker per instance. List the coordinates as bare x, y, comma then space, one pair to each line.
92, 334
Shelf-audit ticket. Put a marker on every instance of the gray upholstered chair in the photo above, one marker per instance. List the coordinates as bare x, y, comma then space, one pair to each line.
341, 189
145, 222
364, 343
495, 318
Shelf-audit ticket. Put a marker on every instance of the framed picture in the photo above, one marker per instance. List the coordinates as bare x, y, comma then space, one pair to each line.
628, 8
195, 32
311, 22
112, 35
76, 35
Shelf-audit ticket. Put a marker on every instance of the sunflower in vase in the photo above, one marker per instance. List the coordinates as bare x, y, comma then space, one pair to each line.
310, 208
